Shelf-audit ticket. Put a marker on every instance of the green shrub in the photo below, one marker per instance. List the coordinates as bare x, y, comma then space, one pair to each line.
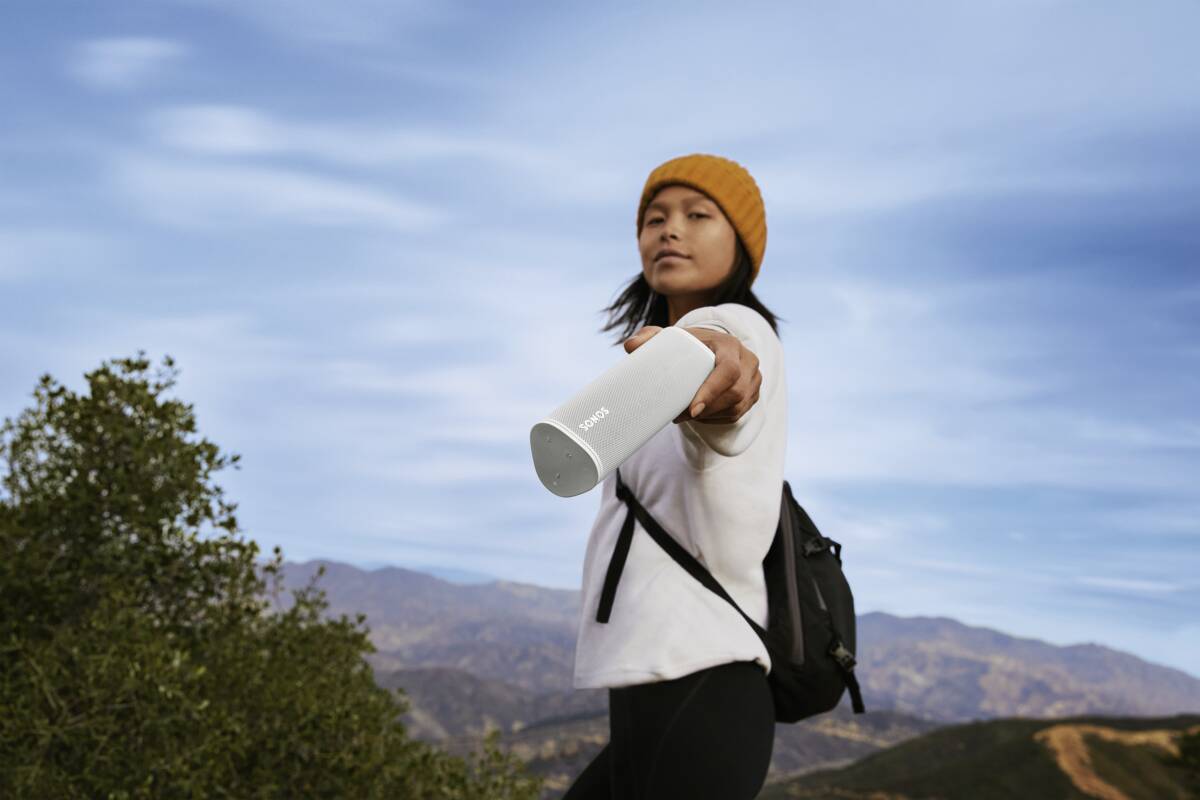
141, 654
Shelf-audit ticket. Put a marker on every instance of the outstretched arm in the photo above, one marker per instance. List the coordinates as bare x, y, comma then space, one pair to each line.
730, 389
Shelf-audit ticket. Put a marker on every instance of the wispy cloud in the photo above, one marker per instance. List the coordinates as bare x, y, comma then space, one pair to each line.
345, 22
885, 356
437, 469
980, 242
1170, 517
829, 180
1131, 584
246, 132
45, 252
193, 194
122, 63
956, 567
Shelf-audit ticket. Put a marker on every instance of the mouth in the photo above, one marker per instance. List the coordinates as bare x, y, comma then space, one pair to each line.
668, 254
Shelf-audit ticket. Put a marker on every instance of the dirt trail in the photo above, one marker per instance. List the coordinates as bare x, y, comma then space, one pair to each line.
1067, 743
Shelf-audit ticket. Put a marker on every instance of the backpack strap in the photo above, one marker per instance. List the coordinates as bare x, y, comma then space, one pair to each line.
842, 657
666, 542
845, 664
617, 563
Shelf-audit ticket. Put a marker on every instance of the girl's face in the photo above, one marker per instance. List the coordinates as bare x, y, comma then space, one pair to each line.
692, 225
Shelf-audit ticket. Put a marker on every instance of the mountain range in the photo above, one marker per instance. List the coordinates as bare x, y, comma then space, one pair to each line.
472, 657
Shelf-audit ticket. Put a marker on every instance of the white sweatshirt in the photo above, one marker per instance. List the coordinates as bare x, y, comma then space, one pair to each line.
716, 489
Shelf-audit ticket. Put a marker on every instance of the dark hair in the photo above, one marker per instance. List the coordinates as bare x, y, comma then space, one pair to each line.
639, 305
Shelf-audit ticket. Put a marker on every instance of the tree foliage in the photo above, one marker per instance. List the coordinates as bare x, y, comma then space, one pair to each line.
1189, 759
141, 652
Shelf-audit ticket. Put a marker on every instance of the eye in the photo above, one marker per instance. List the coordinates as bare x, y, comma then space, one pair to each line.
653, 220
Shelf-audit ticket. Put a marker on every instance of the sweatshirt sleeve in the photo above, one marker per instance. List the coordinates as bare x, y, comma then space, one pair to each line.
757, 336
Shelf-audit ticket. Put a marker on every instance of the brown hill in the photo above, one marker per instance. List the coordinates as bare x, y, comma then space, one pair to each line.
939, 668
1089, 757
500, 655
931, 667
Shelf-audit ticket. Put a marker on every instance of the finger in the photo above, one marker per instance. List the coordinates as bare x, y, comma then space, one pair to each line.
734, 403
641, 337
738, 398
723, 377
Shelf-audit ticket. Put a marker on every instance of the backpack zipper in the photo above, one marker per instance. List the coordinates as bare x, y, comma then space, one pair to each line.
789, 565
816, 586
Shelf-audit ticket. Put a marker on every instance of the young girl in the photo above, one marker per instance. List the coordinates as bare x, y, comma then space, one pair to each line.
690, 711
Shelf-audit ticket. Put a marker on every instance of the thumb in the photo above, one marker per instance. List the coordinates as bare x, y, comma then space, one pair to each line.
635, 341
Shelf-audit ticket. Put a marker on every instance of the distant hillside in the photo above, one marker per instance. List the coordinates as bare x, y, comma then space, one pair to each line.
557, 734
516, 633
1076, 758
471, 658
463, 576
940, 668
930, 667
450, 703
560, 749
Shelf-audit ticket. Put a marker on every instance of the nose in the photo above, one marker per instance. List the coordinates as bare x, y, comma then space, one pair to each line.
668, 230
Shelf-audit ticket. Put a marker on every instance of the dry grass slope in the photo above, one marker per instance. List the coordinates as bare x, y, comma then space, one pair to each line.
1069, 746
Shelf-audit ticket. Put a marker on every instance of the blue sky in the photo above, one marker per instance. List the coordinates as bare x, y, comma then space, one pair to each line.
378, 236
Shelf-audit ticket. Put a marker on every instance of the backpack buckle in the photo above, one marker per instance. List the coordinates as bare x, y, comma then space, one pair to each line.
840, 654
817, 544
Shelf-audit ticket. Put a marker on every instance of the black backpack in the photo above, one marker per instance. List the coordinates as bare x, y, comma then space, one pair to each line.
810, 624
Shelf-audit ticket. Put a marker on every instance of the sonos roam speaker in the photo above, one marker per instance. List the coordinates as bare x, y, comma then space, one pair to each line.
590, 435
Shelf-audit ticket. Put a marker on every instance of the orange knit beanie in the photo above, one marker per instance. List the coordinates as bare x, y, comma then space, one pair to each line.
729, 185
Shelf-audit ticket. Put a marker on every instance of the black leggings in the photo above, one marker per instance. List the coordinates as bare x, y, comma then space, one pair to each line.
704, 736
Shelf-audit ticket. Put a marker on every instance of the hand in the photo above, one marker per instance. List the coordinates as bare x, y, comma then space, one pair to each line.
730, 390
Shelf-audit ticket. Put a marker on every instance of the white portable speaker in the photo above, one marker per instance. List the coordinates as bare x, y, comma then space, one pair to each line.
590, 435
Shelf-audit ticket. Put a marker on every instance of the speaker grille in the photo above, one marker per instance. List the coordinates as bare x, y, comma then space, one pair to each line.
622, 409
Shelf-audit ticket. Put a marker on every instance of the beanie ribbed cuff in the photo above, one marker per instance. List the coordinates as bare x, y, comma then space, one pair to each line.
729, 185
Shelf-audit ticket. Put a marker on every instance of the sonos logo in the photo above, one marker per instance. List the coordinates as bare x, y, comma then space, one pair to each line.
594, 418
